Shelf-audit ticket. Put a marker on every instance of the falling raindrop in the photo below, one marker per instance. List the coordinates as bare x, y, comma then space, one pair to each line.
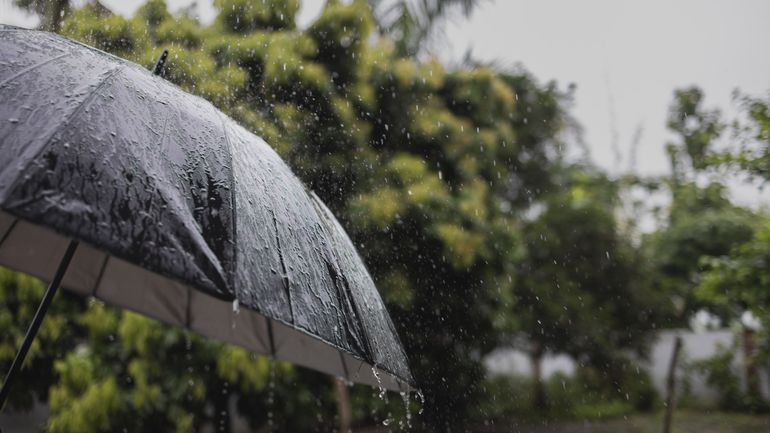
270, 396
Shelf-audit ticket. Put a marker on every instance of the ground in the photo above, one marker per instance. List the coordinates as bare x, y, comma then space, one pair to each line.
684, 422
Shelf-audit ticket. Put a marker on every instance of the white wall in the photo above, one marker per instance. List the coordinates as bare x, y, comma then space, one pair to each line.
696, 345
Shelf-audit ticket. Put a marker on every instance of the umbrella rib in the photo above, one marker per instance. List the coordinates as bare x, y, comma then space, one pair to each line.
32, 68
8, 231
270, 336
101, 274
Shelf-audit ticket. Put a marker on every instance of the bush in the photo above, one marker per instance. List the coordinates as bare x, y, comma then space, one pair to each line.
588, 395
721, 376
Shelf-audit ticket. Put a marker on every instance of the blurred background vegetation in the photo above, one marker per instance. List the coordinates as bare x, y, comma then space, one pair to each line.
478, 229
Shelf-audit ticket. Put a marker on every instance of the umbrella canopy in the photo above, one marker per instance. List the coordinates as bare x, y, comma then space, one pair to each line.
182, 214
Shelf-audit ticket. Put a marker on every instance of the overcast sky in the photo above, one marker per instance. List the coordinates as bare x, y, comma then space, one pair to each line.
626, 58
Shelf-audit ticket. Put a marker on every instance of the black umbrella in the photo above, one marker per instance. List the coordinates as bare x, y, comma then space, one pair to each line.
181, 214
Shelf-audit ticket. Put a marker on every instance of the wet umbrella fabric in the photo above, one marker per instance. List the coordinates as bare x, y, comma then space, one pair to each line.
181, 213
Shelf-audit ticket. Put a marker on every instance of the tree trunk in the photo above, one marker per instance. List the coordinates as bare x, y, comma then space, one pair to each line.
344, 411
750, 364
55, 15
670, 385
538, 391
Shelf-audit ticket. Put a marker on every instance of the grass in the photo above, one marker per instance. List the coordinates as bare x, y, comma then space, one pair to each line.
685, 421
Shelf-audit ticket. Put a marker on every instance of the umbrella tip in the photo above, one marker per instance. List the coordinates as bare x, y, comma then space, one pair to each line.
161, 61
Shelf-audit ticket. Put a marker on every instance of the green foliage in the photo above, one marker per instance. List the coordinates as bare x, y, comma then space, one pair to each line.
341, 33
746, 270
243, 16
82, 402
740, 280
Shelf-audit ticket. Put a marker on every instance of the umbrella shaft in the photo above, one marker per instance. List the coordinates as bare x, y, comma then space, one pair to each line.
36, 321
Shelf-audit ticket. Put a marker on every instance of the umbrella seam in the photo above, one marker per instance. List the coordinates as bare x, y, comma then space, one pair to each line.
345, 284
285, 277
315, 198
231, 277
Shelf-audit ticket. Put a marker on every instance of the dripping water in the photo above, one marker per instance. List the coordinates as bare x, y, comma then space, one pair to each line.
421, 397
407, 423
383, 395
236, 311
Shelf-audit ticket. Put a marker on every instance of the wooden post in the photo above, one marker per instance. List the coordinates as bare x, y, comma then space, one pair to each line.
670, 385
343, 404
538, 389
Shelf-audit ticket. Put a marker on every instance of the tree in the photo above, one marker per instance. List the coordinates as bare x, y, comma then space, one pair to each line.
428, 170
582, 288
701, 220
